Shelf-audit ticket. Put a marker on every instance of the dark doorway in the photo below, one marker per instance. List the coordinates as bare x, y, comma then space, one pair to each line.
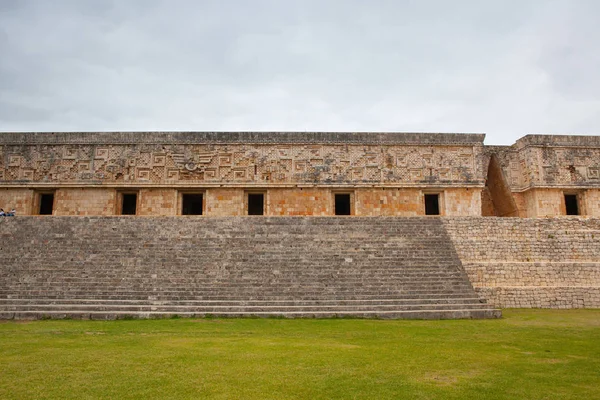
129, 204
46, 203
571, 204
191, 204
256, 203
432, 204
342, 204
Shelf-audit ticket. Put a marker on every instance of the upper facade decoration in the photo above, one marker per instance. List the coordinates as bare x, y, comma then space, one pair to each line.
546, 161
241, 158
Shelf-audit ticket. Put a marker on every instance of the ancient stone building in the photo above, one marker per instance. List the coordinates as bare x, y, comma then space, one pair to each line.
297, 174
299, 259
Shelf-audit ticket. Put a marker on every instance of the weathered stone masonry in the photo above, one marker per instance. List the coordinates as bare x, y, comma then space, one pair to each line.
543, 260
384, 267
299, 173
409, 267
523, 262
539, 170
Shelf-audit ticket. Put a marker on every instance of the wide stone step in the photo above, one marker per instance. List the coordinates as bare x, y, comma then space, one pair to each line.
278, 302
236, 273
196, 277
249, 283
390, 314
211, 308
289, 291
202, 273
239, 297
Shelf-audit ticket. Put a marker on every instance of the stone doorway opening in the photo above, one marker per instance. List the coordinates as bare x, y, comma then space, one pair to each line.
128, 203
256, 204
191, 203
342, 204
571, 204
46, 203
432, 204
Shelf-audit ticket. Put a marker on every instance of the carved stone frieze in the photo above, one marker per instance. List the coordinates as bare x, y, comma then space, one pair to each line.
252, 164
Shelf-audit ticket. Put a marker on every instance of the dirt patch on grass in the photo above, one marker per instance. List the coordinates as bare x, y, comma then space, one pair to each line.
551, 361
440, 380
447, 378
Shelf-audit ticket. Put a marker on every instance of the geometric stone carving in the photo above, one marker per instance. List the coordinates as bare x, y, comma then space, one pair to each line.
14, 160
101, 153
143, 174
293, 163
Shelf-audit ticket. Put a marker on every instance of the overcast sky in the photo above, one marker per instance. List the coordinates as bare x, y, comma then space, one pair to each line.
505, 68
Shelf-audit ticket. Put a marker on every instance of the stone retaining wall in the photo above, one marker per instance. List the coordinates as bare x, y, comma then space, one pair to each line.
511, 262
547, 263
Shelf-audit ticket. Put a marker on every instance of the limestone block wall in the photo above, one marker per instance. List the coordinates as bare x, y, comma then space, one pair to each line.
522, 262
591, 199
410, 202
157, 202
550, 202
300, 201
545, 202
225, 202
84, 201
296, 201
462, 202
405, 202
19, 199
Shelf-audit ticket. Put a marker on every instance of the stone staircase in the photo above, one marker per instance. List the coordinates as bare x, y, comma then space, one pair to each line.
146, 267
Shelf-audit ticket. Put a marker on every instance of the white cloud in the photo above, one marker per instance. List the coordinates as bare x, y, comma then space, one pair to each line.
505, 68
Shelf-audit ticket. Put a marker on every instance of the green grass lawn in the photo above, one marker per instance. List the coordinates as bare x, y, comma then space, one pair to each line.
529, 354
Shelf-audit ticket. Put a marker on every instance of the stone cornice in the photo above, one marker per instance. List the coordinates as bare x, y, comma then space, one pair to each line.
558, 141
247, 185
358, 138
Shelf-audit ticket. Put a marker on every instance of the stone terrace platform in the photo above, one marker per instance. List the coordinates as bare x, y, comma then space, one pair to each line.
145, 267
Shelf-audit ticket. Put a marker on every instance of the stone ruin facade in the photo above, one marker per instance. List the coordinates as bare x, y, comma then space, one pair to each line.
461, 266
297, 174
